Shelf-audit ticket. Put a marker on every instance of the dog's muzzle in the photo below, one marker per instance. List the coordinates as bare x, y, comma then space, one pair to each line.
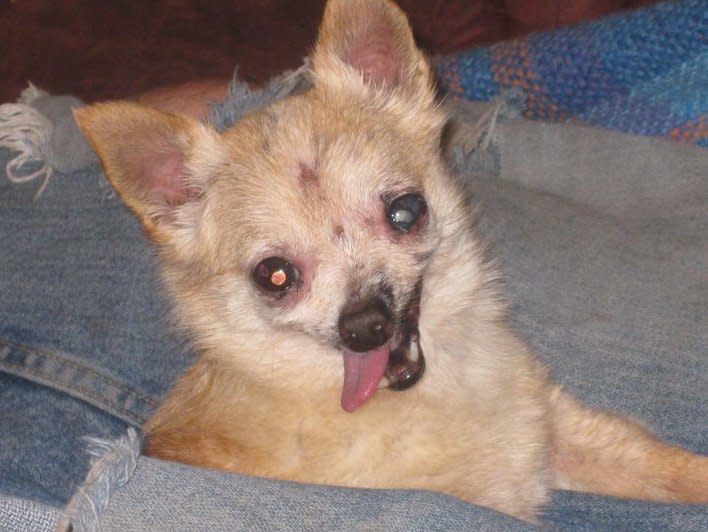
378, 352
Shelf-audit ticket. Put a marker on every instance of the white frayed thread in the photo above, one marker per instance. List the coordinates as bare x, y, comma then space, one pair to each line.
114, 466
31, 93
478, 136
26, 131
476, 145
482, 134
242, 98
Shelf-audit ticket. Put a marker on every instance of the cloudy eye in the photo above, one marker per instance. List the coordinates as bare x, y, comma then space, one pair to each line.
405, 211
276, 275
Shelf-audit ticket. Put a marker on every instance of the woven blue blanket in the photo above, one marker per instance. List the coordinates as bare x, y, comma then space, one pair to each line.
643, 72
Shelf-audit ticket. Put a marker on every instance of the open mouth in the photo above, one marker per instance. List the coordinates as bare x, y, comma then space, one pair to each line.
397, 365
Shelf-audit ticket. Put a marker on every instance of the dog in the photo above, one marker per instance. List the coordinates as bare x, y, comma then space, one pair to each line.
351, 330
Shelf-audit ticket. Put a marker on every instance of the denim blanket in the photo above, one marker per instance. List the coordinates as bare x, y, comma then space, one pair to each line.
643, 72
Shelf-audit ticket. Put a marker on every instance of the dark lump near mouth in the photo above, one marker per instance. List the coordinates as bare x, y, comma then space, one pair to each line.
402, 372
406, 363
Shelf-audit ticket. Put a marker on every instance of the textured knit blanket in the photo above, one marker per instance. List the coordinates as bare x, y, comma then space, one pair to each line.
643, 72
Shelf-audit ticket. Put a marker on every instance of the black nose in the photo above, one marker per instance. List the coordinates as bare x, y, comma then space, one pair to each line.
366, 324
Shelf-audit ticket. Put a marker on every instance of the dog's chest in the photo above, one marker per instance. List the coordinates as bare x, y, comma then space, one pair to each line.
385, 444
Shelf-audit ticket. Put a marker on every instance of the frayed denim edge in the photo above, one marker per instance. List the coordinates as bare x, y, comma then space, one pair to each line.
112, 468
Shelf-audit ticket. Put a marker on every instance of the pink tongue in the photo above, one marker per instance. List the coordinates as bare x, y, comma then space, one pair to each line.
362, 374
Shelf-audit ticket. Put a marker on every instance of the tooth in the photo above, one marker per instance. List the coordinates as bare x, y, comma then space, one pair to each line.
384, 382
413, 352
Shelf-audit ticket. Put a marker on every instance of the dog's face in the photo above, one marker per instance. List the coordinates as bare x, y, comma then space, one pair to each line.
299, 241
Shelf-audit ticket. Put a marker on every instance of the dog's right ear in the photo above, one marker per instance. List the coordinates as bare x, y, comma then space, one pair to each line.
374, 39
146, 155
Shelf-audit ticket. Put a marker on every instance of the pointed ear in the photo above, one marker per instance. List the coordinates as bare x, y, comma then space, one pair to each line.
371, 40
145, 154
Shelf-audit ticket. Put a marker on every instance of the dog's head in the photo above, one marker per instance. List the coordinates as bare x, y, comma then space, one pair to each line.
304, 234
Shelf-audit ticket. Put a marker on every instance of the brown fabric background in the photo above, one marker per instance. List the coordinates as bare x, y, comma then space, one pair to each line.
107, 49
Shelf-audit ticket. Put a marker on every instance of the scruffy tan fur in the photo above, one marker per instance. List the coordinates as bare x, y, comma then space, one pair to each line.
304, 179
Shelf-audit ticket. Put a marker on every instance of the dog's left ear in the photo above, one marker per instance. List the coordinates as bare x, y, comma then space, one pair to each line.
371, 41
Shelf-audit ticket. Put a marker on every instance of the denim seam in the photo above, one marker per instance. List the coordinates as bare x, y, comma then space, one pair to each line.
82, 367
80, 390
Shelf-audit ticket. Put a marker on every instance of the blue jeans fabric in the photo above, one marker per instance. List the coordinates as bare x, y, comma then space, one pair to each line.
81, 325
613, 303
219, 501
243, 503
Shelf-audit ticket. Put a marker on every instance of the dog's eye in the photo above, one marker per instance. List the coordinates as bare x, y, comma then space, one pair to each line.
276, 275
405, 211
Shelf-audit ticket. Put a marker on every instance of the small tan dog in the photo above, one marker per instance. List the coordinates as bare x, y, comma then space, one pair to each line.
322, 258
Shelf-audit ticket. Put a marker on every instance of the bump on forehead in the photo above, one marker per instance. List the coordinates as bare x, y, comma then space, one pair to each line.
308, 174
